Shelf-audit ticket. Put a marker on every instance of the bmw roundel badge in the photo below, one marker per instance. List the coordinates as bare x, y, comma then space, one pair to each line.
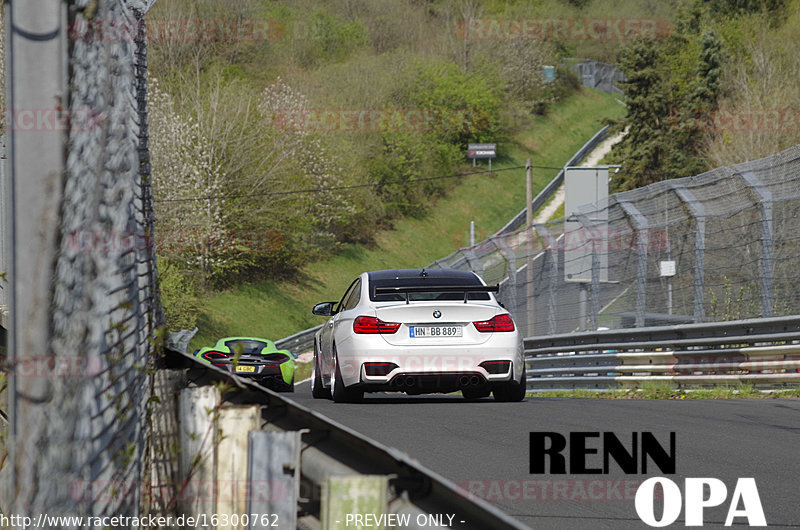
437, 314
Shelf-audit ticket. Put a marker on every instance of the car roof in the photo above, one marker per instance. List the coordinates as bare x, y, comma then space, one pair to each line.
391, 274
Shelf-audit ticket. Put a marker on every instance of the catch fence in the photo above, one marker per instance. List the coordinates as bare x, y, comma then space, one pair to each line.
85, 314
718, 246
594, 74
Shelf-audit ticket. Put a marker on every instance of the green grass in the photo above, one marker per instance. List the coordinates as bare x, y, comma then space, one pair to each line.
558, 214
302, 371
278, 309
665, 390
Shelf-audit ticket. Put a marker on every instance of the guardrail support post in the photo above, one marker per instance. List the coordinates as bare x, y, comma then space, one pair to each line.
273, 477
765, 197
235, 423
344, 496
198, 438
699, 213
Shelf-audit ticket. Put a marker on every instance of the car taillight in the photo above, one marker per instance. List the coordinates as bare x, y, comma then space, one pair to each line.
498, 323
216, 357
275, 358
374, 326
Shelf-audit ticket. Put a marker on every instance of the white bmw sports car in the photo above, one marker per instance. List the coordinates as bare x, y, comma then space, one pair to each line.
417, 331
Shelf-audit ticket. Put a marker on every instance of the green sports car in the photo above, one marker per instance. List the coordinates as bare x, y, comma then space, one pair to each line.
258, 359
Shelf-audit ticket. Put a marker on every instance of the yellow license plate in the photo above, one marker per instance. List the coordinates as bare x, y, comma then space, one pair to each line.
246, 369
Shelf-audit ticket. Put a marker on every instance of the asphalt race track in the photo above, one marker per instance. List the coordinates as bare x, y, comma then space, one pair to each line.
484, 447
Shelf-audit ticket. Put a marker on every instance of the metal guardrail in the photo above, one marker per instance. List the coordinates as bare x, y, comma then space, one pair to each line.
548, 191
754, 351
329, 450
300, 342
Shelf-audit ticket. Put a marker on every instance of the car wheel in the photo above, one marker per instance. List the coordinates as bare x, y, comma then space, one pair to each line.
318, 391
511, 391
339, 392
476, 393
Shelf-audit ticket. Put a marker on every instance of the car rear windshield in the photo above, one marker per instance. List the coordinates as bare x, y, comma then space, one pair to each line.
245, 346
425, 282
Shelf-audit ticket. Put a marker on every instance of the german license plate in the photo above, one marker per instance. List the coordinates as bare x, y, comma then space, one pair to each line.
246, 369
418, 332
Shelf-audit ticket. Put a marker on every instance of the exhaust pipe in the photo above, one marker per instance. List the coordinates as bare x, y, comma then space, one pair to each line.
463, 380
474, 380
410, 381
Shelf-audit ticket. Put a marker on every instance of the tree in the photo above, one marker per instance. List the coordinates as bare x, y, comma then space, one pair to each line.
644, 147
187, 185
672, 93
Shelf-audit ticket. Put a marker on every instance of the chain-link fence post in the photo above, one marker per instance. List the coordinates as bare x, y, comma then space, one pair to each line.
551, 255
36, 58
594, 291
509, 290
765, 198
641, 233
698, 212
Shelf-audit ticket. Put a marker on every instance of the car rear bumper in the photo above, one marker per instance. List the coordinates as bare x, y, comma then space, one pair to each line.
443, 368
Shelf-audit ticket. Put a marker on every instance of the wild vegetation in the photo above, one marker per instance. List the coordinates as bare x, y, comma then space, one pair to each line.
722, 89
284, 132
238, 143
270, 152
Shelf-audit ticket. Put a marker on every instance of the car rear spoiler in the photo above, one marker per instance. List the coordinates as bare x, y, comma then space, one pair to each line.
466, 289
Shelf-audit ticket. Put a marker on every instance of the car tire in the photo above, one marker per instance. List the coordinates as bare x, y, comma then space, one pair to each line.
476, 393
511, 391
318, 390
339, 392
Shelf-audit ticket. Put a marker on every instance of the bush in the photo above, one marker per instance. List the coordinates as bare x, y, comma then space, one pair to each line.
178, 297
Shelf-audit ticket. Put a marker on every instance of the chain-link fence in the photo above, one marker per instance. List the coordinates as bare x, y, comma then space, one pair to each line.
594, 74
718, 246
78, 406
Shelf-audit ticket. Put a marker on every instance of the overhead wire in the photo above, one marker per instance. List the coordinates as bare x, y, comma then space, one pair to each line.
347, 187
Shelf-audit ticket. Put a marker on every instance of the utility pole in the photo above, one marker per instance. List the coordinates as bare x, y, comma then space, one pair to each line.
529, 229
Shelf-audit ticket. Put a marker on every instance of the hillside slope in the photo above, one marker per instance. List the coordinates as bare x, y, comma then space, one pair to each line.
278, 309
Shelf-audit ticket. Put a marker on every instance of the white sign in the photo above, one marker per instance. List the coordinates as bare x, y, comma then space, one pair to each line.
667, 269
587, 193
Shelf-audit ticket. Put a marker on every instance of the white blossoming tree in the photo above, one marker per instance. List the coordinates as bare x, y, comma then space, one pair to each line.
187, 184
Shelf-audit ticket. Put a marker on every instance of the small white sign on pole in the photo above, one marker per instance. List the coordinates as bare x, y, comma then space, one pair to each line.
668, 269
